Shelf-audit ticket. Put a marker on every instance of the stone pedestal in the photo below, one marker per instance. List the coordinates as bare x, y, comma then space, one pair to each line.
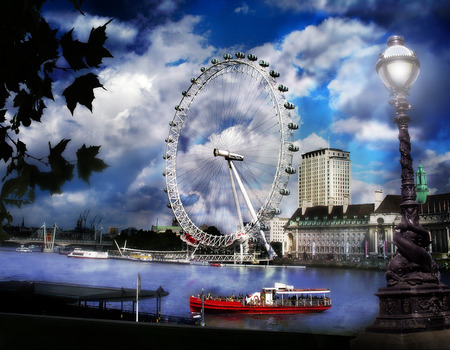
410, 317
406, 309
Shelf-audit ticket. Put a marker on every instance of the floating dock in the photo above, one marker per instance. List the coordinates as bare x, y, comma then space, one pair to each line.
81, 301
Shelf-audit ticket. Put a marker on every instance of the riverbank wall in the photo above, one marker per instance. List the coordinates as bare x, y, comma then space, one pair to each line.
366, 264
18, 331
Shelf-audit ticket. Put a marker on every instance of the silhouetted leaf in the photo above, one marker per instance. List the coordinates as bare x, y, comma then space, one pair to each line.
61, 169
95, 51
17, 190
6, 150
87, 162
81, 91
73, 51
77, 5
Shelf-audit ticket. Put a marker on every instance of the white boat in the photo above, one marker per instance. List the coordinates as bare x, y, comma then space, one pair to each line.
87, 254
23, 249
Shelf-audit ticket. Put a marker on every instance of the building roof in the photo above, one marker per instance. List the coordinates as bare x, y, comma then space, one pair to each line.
71, 293
435, 203
321, 212
322, 150
390, 204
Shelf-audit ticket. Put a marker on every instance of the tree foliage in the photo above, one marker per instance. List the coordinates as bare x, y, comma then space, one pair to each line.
151, 240
32, 54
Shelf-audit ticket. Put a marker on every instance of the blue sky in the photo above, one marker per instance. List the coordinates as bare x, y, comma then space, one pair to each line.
325, 52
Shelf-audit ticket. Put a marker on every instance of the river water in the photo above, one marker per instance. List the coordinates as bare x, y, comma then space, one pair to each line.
352, 291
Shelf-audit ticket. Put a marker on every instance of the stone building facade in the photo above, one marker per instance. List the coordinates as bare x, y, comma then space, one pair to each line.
359, 231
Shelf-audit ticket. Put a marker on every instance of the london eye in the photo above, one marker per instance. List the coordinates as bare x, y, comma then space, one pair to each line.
229, 152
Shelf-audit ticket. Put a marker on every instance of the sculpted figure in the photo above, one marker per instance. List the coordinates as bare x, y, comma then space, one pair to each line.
412, 265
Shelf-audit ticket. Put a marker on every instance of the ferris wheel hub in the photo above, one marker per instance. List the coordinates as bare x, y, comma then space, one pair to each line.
228, 155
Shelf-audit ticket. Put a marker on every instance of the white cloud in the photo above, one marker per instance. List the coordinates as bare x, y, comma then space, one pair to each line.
363, 192
368, 131
310, 57
243, 9
433, 161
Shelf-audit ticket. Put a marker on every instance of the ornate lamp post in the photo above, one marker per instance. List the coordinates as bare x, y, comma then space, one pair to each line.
414, 300
398, 68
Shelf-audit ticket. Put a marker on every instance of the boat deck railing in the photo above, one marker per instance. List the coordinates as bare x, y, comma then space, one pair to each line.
302, 302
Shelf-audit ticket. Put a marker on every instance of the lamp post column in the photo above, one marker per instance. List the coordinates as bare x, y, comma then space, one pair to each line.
413, 264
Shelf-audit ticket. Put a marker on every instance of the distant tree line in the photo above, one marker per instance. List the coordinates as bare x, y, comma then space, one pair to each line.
150, 240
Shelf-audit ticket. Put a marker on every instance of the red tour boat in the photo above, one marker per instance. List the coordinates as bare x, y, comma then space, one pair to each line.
280, 299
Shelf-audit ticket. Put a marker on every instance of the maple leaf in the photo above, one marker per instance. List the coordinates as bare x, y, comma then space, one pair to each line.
87, 162
82, 91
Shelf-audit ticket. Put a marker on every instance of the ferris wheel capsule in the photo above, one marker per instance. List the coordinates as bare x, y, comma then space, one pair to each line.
274, 74
252, 57
289, 105
263, 63
227, 56
239, 55
285, 192
214, 61
293, 148
290, 170
283, 88
202, 69
293, 126
276, 211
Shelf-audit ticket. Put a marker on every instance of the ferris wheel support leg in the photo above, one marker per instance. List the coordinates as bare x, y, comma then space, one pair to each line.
236, 199
269, 248
244, 192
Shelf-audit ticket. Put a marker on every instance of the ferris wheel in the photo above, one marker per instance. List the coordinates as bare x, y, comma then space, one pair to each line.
229, 152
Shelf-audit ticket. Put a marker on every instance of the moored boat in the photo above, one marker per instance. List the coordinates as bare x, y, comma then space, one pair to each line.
87, 254
23, 249
65, 251
280, 299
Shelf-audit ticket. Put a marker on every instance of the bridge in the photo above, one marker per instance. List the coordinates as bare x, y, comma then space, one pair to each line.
51, 237
58, 242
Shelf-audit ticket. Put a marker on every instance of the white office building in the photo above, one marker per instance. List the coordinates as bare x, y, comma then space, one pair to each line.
324, 178
277, 232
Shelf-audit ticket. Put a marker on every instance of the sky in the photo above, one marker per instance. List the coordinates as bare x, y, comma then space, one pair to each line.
325, 52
